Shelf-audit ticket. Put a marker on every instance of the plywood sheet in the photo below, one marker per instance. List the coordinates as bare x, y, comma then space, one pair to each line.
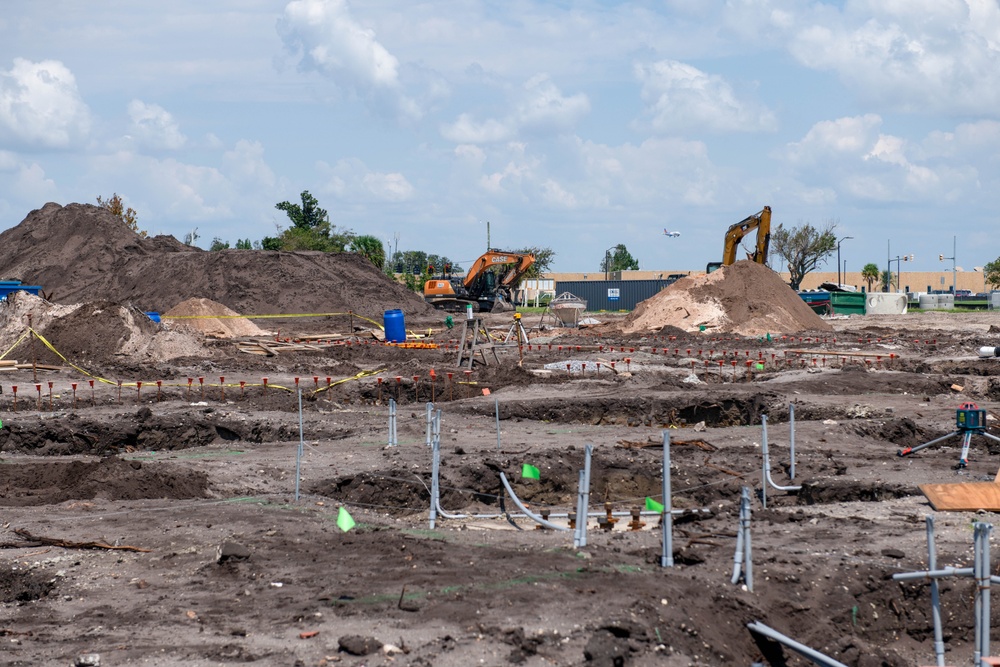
971, 496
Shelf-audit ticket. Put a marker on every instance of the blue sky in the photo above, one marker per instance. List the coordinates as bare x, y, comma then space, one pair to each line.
572, 125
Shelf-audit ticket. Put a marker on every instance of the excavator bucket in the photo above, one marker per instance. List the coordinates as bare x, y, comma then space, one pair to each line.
501, 305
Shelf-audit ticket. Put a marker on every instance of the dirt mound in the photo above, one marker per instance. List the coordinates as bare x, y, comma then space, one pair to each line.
89, 333
744, 298
32, 484
81, 253
212, 319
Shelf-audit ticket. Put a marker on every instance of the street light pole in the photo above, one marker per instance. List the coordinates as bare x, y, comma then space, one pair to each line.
838, 258
954, 242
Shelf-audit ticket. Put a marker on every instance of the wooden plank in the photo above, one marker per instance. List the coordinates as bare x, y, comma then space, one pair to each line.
835, 353
967, 497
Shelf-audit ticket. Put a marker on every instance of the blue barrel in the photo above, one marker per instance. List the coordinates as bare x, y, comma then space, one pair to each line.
154, 316
395, 328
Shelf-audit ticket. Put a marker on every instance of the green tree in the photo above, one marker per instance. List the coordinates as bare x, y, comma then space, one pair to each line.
311, 228
308, 215
887, 281
803, 248
270, 243
118, 209
219, 244
244, 244
991, 273
619, 259
543, 261
371, 248
870, 274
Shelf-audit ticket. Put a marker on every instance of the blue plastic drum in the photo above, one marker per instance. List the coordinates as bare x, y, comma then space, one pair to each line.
395, 327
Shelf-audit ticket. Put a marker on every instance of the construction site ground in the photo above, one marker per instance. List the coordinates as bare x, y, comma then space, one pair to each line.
117, 500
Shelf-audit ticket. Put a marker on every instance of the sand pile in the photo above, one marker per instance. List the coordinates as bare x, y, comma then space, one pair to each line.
212, 319
80, 253
745, 298
90, 334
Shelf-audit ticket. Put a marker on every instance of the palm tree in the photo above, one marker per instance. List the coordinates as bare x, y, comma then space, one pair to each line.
870, 274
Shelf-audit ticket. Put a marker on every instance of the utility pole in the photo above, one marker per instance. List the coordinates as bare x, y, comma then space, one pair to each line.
941, 258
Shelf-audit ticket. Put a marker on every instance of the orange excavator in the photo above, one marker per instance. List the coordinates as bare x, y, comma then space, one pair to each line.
488, 285
762, 223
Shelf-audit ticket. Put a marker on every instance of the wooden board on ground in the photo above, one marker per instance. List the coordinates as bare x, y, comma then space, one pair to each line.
966, 497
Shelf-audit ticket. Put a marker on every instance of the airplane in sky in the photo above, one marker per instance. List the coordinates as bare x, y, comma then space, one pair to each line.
671, 234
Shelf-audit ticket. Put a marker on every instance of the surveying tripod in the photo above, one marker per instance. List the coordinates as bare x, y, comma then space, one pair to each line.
516, 329
969, 420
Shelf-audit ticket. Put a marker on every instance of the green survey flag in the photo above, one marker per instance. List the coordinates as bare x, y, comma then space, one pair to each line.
344, 520
653, 506
529, 472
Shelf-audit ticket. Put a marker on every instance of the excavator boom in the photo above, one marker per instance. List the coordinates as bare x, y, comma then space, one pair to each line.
762, 223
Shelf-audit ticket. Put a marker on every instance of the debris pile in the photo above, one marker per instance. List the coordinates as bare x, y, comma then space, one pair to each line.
744, 298
93, 333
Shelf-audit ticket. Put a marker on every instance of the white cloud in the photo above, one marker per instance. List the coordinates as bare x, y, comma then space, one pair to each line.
862, 162
544, 108
844, 137
659, 172
352, 181
153, 127
171, 189
539, 108
932, 57
682, 98
40, 106
466, 130
8, 161
246, 164
325, 36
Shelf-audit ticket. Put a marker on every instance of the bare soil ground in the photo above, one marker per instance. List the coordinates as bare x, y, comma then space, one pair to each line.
176, 472
158, 524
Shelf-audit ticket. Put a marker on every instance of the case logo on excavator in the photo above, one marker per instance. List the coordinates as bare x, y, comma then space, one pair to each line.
500, 259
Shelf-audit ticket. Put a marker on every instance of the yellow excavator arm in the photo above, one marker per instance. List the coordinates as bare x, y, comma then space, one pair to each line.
762, 223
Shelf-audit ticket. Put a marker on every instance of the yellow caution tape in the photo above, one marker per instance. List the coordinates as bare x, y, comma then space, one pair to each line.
23, 336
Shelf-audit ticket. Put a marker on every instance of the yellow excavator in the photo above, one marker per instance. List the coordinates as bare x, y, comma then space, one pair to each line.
488, 285
762, 223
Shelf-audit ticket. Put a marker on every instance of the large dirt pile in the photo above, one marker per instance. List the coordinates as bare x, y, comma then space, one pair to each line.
744, 298
81, 252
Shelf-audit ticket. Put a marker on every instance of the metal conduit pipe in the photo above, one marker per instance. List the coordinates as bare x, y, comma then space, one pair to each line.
803, 650
983, 581
435, 489
742, 561
520, 506
767, 461
667, 521
430, 419
588, 452
791, 440
935, 595
579, 539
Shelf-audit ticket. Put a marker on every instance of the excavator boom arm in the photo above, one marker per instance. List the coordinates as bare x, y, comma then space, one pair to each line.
522, 262
759, 221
